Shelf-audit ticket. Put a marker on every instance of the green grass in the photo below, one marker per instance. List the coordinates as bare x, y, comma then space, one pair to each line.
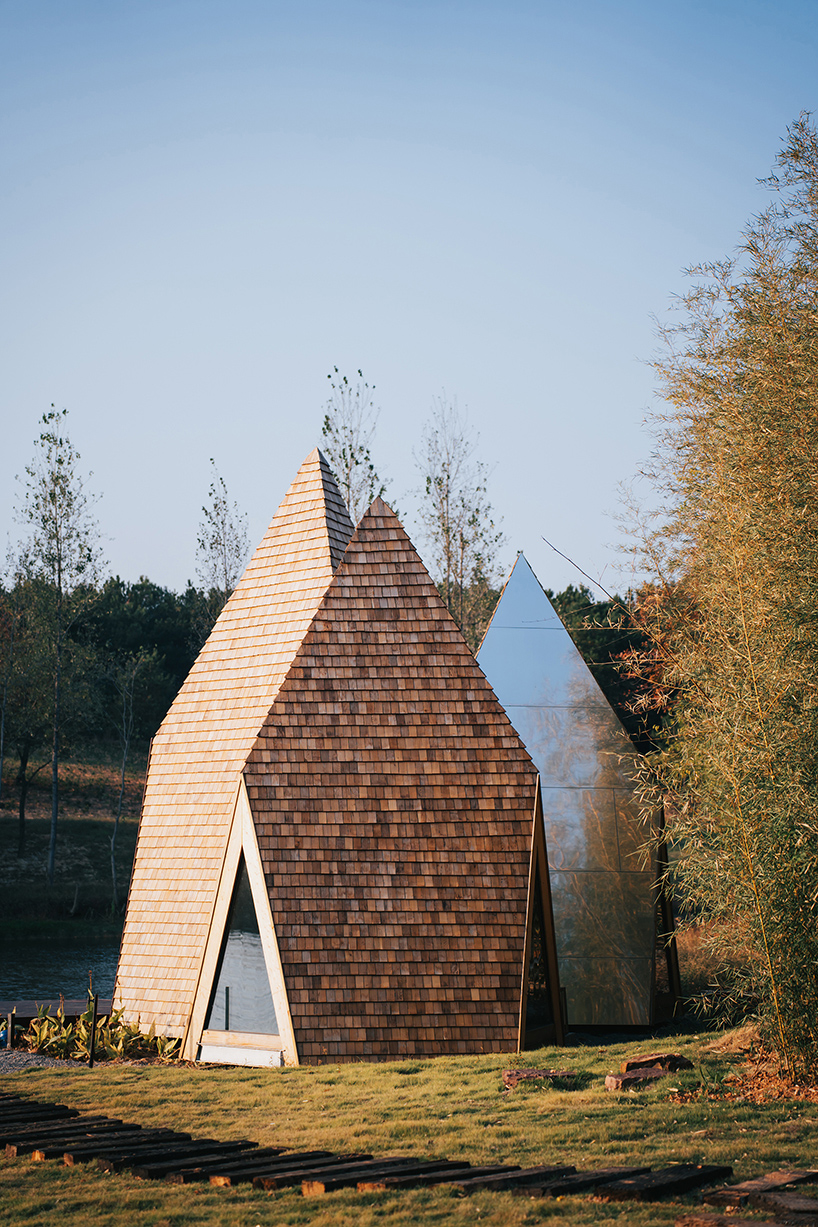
448, 1107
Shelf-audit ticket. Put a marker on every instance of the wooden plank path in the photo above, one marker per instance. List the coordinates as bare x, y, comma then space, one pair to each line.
43, 1131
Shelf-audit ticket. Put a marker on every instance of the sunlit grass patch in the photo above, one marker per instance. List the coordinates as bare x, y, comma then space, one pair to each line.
451, 1107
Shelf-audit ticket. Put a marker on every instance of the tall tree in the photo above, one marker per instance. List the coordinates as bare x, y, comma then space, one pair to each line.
222, 546
64, 555
737, 609
10, 610
349, 428
123, 675
457, 520
28, 690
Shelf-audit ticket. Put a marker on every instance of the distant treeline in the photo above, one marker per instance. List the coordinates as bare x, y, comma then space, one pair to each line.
133, 644
124, 653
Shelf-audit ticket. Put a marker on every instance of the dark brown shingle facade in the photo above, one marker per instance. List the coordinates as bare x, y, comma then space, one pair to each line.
394, 808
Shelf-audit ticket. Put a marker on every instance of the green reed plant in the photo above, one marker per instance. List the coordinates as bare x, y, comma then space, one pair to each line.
734, 558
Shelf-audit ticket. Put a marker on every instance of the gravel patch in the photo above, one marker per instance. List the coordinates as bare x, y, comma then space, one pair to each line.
15, 1058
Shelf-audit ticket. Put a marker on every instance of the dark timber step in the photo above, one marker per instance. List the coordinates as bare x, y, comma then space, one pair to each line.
296, 1165
31, 1116
160, 1168
348, 1177
258, 1163
431, 1167
83, 1150
64, 1140
442, 1177
33, 1105
252, 1162
679, 1178
783, 1204
507, 1180
59, 1129
580, 1182
126, 1159
289, 1176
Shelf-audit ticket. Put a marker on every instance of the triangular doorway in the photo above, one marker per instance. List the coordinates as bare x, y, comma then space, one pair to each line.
541, 1007
241, 999
241, 1014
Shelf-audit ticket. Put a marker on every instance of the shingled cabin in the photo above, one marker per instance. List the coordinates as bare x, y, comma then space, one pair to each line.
341, 853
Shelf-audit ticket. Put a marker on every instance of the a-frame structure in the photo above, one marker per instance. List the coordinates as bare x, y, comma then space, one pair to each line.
380, 824
603, 881
197, 757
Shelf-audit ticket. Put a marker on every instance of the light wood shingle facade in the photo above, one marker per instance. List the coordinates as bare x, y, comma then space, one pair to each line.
200, 750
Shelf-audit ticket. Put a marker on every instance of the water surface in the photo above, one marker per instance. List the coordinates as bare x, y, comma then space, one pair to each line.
41, 971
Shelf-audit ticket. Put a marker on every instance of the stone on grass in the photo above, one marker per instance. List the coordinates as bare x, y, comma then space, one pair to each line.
513, 1077
670, 1062
633, 1079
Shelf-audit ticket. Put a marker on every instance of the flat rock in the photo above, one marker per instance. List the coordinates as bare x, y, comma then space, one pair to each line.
670, 1062
512, 1077
634, 1078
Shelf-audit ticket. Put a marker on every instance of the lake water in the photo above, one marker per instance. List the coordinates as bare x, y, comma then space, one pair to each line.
42, 971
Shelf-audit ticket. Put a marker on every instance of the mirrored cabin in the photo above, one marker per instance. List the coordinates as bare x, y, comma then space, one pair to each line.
602, 880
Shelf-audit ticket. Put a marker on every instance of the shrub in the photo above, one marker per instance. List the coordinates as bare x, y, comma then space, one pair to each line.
114, 1039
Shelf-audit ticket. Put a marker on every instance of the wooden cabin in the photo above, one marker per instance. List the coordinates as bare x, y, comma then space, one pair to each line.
341, 851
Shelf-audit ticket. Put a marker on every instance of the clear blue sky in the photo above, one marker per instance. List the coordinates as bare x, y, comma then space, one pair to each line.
207, 205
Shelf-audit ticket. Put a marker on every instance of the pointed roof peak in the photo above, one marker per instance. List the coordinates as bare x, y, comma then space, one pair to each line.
316, 456
378, 508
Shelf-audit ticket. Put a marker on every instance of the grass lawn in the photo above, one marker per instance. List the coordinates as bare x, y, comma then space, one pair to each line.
447, 1107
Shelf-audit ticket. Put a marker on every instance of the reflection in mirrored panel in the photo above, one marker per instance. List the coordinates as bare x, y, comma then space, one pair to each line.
538, 1012
607, 992
241, 999
516, 654
588, 903
601, 882
576, 747
580, 828
633, 833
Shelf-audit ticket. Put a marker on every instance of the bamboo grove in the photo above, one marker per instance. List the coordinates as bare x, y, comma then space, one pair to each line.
734, 630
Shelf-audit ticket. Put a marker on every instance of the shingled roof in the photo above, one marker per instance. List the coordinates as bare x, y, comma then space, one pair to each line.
394, 808
199, 752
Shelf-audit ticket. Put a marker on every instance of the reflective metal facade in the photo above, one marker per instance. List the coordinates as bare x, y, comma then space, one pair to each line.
601, 882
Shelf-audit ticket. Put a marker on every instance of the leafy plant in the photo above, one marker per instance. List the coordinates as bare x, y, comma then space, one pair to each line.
114, 1039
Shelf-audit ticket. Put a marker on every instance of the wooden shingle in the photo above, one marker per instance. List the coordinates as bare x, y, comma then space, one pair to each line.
394, 805
199, 752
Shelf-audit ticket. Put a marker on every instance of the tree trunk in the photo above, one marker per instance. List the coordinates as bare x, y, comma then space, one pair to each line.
22, 780
55, 756
115, 896
6, 680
